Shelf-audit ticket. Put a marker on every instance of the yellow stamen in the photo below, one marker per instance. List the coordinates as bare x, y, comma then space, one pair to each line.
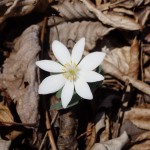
71, 71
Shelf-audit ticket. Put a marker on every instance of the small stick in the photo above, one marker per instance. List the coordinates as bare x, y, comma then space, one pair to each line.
20, 124
43, 140
50, 134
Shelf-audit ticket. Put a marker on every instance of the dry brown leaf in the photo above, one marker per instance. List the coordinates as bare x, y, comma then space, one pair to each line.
124, 4
120, 58
146, 60
114, 71
106, 133
4, 145
114, 20
124, 11
13, 134
146, 48
134, 60
145, 145
145, 2
143, 15
92, 140
126, 59
132, 130
76, 10
139, 116
20, 77
143, 136
73, 10
100, 121
69, 33
114, 144
147, 38
5, 115
146, 68
130, 3
123, 63
10, 8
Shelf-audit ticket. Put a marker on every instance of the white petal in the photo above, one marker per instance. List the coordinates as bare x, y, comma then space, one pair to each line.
90, 76
50, 66
77, 51
61, 52
67, 93
92, 60
52, 84
83, 89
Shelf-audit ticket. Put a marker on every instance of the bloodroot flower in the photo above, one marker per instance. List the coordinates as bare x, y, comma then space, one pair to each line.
71, 73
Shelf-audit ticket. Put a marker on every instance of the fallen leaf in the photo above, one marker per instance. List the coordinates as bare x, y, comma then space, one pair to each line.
5, 115
139, 116
16, 8
116, 21
4, 145
123, 63
114, 144
145, 145
20, 76
71, 32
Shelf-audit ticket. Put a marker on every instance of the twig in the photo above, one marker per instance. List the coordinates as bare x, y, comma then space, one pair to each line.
50, 134
121, 112
56, 28
47, 131
48, 125
18, 124
86, 132
11, 7
54, 118
43, 140
142, 71
43, 31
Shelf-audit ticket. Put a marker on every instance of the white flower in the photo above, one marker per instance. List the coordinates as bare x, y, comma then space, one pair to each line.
73, 73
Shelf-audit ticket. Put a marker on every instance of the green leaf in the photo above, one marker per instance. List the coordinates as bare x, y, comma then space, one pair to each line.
56, 106
99, 69
74, 101
58, 94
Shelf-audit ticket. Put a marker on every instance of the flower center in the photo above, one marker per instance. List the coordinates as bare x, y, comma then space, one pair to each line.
71, 71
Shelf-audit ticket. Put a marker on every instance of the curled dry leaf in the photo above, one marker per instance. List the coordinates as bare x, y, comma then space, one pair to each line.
73, 10
100, 121
77, 10
146, 60
124, 4
115, 20
123, 63
106, 133
147, 38
143, 136
114, 144
69, 33
124, 11
129, 3
145, 2
145, 145
19, 77
11, 8
91, 141
132, 130
143, 15
5, 115
139, 116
